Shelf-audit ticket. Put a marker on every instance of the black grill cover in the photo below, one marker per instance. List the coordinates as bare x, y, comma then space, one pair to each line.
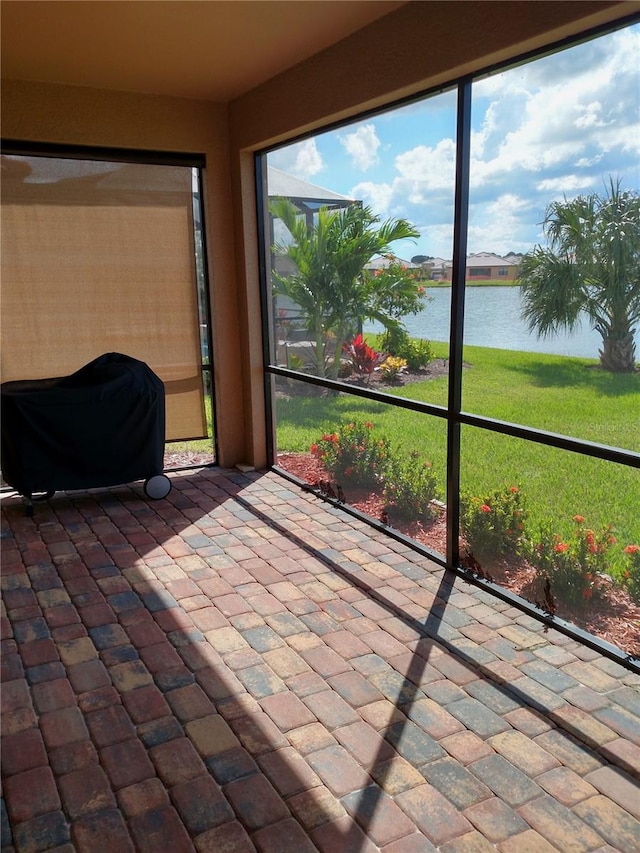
101, 426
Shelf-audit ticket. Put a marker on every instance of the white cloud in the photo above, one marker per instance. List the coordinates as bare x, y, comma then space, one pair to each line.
440, 238
362, 146
590, 116
302, 159
566, 185
497, 226
421, 190
423, 168
587, 162
376, 196
556, 126
558, 112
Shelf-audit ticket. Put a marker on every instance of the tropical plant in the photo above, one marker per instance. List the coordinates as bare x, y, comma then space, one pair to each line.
363, 358
392, 367
592, 268
631, 576
295, 361
330, 285
396, 292
415, 351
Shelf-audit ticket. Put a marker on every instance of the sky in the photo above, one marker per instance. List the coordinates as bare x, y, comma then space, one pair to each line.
557, 127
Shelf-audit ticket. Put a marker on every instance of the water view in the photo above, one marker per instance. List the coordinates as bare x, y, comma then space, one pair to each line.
493, 318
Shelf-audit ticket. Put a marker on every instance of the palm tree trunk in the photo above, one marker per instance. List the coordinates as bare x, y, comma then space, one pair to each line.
319, 343
337, 356
618, 353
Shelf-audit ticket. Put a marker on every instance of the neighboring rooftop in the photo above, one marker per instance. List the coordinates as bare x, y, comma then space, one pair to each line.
282, 184
488, 259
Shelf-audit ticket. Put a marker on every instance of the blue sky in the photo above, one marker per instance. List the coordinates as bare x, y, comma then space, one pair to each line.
555, 127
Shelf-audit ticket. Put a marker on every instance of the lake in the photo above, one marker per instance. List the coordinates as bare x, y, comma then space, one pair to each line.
493, 318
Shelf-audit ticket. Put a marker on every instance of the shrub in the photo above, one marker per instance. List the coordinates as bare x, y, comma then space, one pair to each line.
295, 361
353, 456
632, 572
493, 525
392, 367
417, 353
575, 565
363, 358
410, 487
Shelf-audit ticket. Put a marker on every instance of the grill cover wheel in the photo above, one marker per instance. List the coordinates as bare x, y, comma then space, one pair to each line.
157, 487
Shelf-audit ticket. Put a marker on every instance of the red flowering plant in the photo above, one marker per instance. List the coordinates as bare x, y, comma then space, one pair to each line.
576, 565
631, 573
363, 358
352, 455
493, 525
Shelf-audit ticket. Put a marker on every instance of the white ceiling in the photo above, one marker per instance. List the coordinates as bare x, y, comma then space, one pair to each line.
201, 49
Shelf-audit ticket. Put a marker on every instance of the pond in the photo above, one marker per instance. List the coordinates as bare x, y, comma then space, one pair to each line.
493, 318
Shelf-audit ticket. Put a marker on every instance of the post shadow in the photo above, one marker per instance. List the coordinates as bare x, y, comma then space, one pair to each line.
200, 496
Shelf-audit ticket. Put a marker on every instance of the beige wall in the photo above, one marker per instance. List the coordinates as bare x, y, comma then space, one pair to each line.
83, 116
422, 45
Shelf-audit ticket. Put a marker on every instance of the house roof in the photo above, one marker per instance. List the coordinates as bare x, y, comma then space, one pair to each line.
487, 259
299, 190
385, 261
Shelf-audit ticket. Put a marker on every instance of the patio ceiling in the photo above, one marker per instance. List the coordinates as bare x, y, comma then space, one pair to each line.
213, 51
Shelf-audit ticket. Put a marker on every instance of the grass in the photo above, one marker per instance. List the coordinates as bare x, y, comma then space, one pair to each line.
198, 445
565, 395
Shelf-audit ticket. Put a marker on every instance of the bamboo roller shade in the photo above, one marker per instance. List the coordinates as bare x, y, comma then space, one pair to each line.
104, 265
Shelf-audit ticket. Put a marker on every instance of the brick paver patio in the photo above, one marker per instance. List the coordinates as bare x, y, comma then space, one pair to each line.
242, 667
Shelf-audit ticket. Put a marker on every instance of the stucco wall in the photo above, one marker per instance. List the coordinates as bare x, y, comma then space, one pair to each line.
420, 46
83, 116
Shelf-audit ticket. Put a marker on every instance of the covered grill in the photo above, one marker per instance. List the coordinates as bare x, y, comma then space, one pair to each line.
101, 426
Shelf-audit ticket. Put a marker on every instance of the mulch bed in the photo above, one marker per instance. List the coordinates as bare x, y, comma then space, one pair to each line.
615, 619
434, 370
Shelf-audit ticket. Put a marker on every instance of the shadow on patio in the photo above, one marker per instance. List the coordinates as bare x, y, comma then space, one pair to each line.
242, 666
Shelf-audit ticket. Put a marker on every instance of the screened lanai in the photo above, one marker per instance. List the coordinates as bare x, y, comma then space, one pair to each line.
242, 665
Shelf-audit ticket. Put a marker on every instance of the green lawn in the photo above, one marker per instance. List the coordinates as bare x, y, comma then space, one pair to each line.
558, 394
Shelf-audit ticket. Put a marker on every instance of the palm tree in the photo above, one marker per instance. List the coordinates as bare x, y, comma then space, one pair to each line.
330, 284
592, 267
311, 286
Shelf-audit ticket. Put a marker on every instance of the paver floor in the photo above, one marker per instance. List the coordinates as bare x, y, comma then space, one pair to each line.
242, 667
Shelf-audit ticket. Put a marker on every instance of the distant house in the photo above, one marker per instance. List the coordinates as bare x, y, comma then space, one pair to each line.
385, 261
435, 269
485, 266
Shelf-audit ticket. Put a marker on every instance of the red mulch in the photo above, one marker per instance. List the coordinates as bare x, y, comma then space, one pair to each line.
615, 618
